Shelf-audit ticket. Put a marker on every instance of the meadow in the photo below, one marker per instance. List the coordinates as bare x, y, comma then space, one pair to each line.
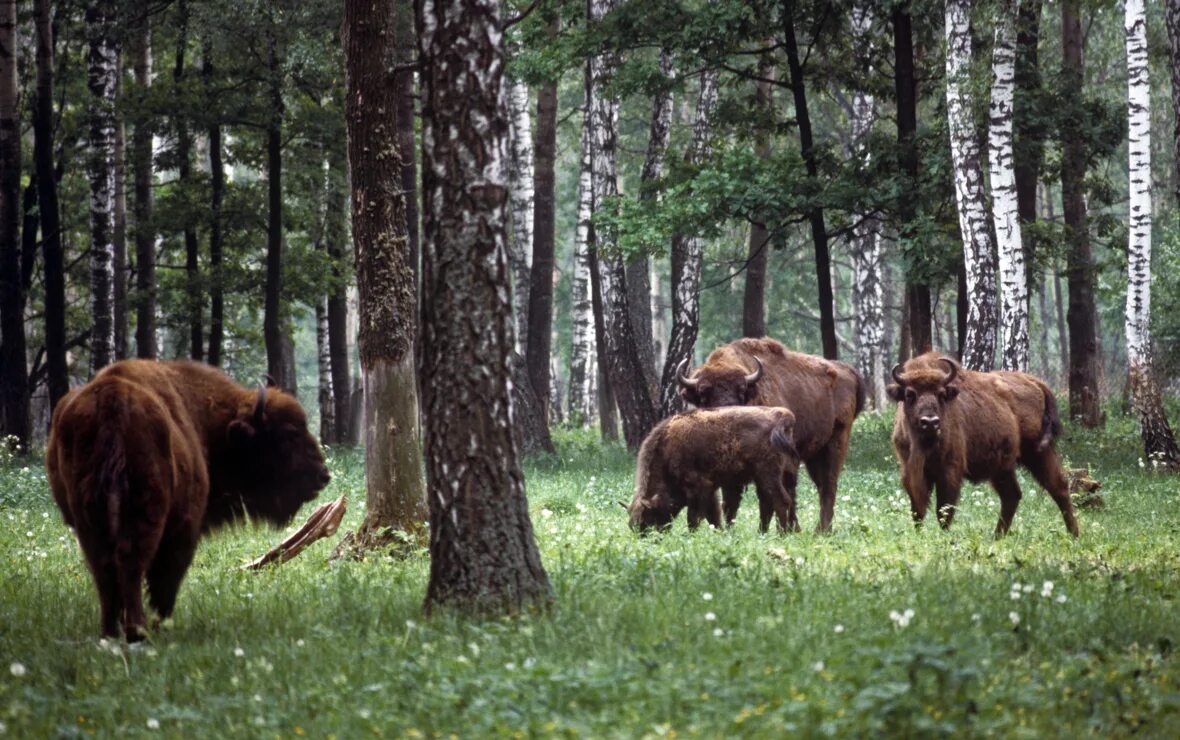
876, 629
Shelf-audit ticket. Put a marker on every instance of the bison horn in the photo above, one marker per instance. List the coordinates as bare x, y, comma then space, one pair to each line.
683, 379
260, 404
753, 377
896, 373
954, 370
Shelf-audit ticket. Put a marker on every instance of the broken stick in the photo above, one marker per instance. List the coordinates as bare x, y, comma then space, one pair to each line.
323, 522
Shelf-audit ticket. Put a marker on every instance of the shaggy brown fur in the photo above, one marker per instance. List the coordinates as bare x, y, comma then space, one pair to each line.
953, 424
824, 395
149, 456
687, 457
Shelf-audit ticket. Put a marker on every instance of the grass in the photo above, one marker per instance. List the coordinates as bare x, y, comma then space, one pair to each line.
876, 629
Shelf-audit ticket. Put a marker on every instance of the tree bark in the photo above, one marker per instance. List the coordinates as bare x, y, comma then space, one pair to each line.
520, 184
327, 399
120, 224
815, 213
338, 336
403, 11
101, 67
583, 331
1172, 14
1159, 443
1085, 360
758, 248
1029, 133
483, 556
184, 167
216, 196
279, 363
141, 162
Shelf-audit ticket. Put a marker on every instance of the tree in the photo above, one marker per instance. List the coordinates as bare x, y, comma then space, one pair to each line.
119, 222
141, 162
393, 471
102, 66
1013, 273
216, 197
980, 343
1159, 443
483, 556
1172, 14
1084, 353
184, 167
520, 179
279, 360
582, 347
758, 250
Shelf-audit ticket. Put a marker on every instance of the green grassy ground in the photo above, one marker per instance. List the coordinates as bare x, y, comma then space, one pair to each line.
877, 628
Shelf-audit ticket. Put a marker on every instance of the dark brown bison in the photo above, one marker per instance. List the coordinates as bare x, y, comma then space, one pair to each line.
825, 396
953, 424
687, 457
147, 457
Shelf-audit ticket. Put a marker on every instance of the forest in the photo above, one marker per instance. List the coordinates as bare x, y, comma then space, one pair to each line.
490, 247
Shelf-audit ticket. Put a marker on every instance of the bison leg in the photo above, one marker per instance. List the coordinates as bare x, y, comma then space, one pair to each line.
1009, 489
773, 496
1046, 468
167, 571
106, 582
947, 492
732, 499
824, 469
913, 479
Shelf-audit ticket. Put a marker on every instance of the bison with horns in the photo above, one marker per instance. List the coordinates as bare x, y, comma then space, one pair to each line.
953, 424
687, 457
824, 395
149, 456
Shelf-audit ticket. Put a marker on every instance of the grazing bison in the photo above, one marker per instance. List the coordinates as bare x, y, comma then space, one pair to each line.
953, 424
147, 457
825, 396
687, 457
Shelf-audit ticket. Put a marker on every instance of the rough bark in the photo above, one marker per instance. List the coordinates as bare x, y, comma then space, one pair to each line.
1029, 133
978, 251
758, 248
1159, 443
686, 256
101, 67
582, 346
1085, 360
279, 363
120, 267
216, 195
1172, 15
184, 159
403, 11
394, 483
483, 556
141, 163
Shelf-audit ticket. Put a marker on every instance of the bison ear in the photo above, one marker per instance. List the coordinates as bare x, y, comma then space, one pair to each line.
690, 395
895, 392
951, 391
241, 431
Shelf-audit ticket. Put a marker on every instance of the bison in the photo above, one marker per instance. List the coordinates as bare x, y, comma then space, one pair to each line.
687, 457
824, 395
149, 456
953, 424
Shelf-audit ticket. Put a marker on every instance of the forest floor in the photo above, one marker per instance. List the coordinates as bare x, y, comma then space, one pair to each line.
877, 628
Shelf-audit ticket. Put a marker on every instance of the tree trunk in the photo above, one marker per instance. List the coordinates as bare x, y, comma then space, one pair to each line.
582, 346
1085, 360
483, 556
1159, 443
327, 400
51, 249
141, 162
815, 214
978, 251
1029, 133
637, 410
403, 12
216, 195
338, 336
278, 363
120, 223
1172, 13
758, 249
520, 185
101, 68
917, 335
686, 256
540, 306
607, 408
184, 147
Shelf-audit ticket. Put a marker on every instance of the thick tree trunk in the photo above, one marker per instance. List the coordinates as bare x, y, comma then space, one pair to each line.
483, 556
338, 336
184, 147
141, 163
216, 195
819, 233
403, 12
520, 184
1029, 133
758, 248
1172, 14
279, 362
120, 224
1085, 359
686, 257
583, 344
1159, 443
51, 249
1013, 273
101, 69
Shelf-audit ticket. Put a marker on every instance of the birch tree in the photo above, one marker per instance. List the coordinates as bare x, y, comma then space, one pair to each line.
1013, 272
141, 161
1172, 14
102, 64
483, 555
1159, 443
581, 376
980, 344
520, 184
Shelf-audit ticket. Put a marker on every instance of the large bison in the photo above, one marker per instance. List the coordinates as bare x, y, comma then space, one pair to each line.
953, 424
149, 456
825, 396
687, 457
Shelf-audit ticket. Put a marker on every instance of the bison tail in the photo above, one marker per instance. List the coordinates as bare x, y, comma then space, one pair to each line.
780, 439
1050, 422
111, 484
861, 392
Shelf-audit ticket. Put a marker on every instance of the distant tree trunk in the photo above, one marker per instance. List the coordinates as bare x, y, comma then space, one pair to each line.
395, 490
1172, 13
274, 326
819, 233
1014, 300
14, 378
57, 373
184, 167
216, 195
687, 254
1159, 443
978, 251
758, 249
520, 184
540, 307
338, 337
1029, 131
917, 334
1085, 360
483, 556
101, 74
141, 163
637, 409
582, 347
327, 400
120, 223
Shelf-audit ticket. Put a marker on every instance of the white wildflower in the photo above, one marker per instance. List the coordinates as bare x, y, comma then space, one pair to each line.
153, 723
1015, 617
718, 632
707, 596
1060, 598
817, 666
17, 669
838, 629
710, 616
1047, 589
239, 653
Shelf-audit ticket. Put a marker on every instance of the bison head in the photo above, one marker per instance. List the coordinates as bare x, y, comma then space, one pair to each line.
657, 512
279, 463
925, 394
718, 385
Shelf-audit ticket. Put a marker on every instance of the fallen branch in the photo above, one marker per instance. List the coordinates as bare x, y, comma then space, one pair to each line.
322, 523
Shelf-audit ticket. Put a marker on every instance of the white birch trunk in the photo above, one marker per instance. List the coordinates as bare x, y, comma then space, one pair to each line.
102, 63
980, 345
327, 398
582, 351
520, 189
1013, 272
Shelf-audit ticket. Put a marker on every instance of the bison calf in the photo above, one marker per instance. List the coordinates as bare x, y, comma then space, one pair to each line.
953, 424
686, 458
149, 456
